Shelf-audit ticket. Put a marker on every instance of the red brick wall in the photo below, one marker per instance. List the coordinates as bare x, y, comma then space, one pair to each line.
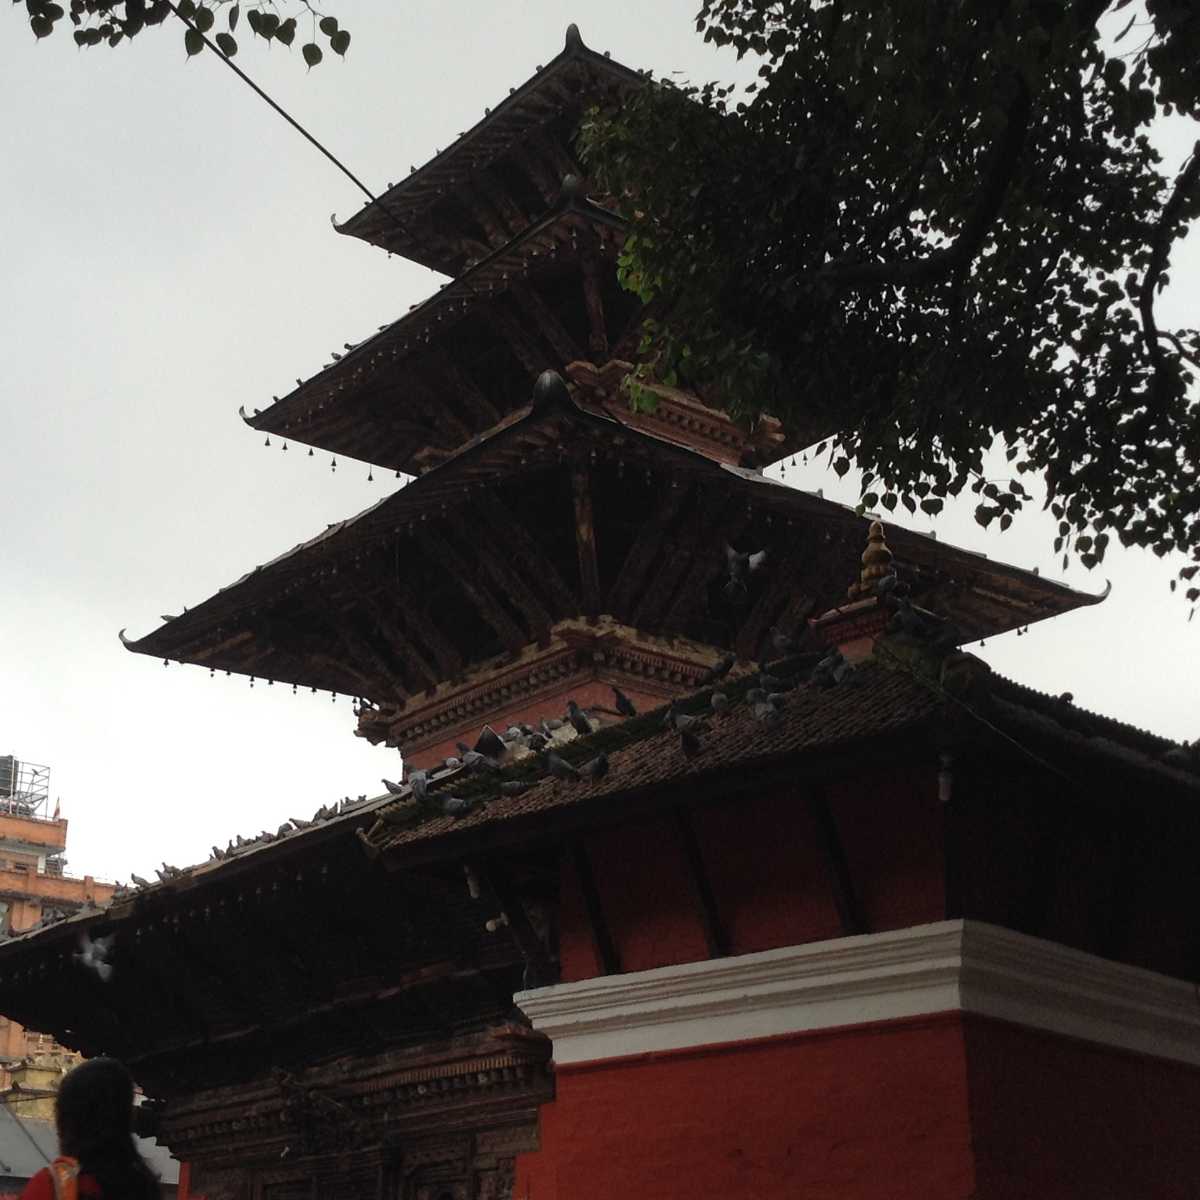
1055, 1117
870, 1113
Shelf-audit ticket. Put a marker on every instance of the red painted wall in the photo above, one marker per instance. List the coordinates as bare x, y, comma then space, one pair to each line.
584, 694
1055, 1117
767, 871
861, 1114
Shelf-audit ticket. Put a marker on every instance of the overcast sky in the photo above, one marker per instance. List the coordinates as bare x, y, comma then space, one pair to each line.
166, 257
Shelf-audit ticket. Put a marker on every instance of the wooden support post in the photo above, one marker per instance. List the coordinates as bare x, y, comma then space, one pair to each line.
547, 322
606, 950
585, 540
645, 551
593, 300
538, 971
715, 933
528, 553
844, 896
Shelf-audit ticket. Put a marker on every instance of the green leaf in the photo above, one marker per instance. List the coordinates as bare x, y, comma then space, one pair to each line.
204, 19
227, 44
41, 26
193, 42
933, 505
340, 42
285, 32
328, 26
841, 465
186, 8
234, 13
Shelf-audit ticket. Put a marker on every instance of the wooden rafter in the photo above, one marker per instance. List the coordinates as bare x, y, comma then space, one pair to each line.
781, 591
693, 540
715, 933
465, 575
594, 301
552, 152
509, 329
539, 172
417, 620
497, 193
401, 646
645, 551
480, 206
585, 541
602, 941
474, 398
553, 331
361, 648
845, 897
508, 581
528, 554
497, 881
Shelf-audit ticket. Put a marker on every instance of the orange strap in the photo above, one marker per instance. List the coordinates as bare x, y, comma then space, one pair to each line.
65, 1174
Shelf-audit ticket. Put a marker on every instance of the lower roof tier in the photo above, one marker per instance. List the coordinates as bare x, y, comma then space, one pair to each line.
560, 513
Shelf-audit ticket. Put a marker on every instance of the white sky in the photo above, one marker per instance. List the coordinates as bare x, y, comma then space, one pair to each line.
166, 256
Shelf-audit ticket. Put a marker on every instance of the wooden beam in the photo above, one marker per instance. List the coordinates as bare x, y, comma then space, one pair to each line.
538, 971
465, 575
359, 646
585, 541
715, 933
606, 950
509, 329
783, 587
539, 172
844, 896
693, 540
645, 551
528, 553
398, 643
594, 302
497, 194
483, 212
473, 396
418, 621
547, 322
496, 562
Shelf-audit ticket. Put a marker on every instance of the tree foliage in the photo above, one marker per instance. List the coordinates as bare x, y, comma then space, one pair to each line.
929, 224
111, 22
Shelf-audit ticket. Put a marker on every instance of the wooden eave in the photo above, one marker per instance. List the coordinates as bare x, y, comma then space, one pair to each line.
399, 599
401, 222
407, 394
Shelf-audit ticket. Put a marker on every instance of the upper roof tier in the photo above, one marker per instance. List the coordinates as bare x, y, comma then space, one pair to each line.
500, 176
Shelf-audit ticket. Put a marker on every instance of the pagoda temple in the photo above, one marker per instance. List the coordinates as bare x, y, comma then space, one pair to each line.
798, 899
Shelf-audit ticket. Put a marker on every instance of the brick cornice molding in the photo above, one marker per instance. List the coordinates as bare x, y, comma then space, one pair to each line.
963, 966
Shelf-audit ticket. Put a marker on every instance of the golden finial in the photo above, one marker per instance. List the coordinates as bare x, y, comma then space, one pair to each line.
876, 563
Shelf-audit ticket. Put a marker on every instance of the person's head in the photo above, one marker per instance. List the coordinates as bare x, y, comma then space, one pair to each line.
94, 1108
94, 1114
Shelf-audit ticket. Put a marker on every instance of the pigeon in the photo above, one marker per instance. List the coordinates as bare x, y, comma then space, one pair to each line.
549, 727
514, 787
625, 706
594, 768
94, 954
886, 583
782, 643
300, 823
489, 744
537, 742
718, 670
452, 763
1067, 697
477, 763
689, 743
217, 854
138, 881
740, 567
419, 782
241, 841
394, 789
719, 702
164, 617
578, 718
284, 829
456, 806
558, 766
677, 720
1178, 756
772, 683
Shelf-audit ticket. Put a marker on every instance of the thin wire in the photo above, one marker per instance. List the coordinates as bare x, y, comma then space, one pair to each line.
291, 121
936, 686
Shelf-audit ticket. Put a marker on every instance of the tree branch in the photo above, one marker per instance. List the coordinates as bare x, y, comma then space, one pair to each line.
1160, 250
942, 263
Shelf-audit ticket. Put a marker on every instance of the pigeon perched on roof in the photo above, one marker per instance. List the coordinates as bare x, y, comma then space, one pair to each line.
550, 725
537, 742
782, 643
579, 719
625, 706
138, 880
419, 782
675, 718
719, 702
718, 670
456, 806
489, 743
690, 744
394, 789
93, 954
772, 683
475, 762
558, 766
594, 768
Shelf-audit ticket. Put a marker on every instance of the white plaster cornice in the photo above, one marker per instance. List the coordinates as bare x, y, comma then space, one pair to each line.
951, 966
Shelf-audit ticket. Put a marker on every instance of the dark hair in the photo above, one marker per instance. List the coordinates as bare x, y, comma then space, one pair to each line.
94, 1113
